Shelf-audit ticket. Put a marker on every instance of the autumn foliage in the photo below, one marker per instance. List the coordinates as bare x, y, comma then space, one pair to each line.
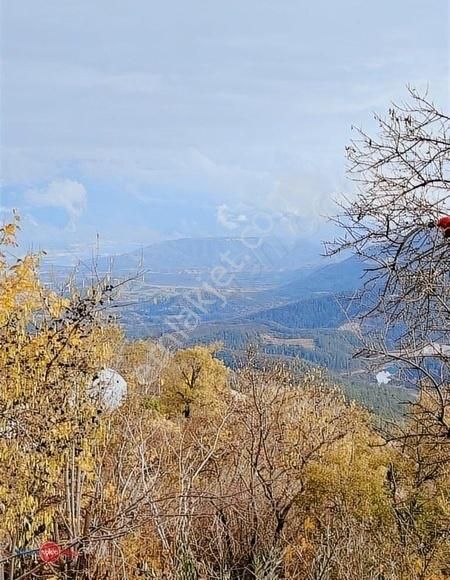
203, 472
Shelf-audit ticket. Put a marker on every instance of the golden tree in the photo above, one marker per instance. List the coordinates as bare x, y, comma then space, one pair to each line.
51, 347
192, 381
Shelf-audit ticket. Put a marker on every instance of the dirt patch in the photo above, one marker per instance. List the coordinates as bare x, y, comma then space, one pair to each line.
307, 343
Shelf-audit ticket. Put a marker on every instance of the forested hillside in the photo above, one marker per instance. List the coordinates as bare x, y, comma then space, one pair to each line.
336, 278
321, 312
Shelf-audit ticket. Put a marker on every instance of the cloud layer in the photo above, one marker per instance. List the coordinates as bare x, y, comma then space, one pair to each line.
165, 111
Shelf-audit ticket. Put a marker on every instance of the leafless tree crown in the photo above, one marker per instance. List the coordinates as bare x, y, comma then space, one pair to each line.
402, 178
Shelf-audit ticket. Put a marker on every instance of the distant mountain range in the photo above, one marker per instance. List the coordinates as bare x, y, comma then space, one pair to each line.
195, 256
241, 262
313, 301
284, 296
335, 277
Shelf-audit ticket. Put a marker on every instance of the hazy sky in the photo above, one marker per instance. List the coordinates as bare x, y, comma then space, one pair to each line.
145, 119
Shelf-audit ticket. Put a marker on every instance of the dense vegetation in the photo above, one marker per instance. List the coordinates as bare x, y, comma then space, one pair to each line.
202, 472
323, 312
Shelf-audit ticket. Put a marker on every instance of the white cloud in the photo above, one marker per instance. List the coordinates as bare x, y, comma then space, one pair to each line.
224, 217
229, 219
63, 193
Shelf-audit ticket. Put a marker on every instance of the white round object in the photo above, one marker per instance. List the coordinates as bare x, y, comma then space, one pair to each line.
109, 388
384, 377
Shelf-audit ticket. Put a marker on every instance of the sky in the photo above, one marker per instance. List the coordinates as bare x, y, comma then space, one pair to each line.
138, 121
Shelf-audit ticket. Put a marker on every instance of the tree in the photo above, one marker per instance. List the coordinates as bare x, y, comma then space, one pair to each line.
51, 347
392, 224
193, 380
